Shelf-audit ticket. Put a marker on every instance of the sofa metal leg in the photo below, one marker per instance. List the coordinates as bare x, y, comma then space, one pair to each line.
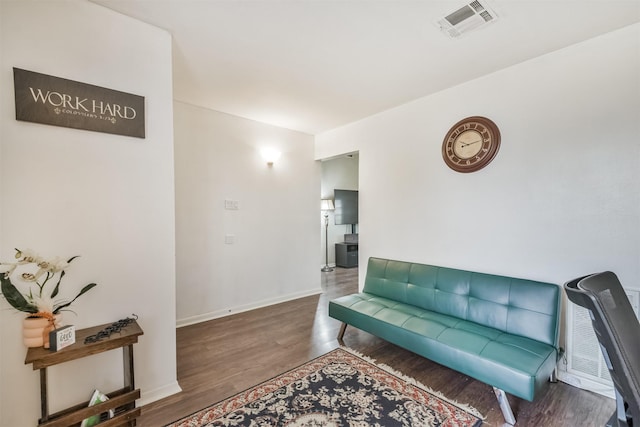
507, 413
341, 333
554, 375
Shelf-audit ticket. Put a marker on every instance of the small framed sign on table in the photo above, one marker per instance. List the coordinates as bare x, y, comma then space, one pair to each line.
62, 337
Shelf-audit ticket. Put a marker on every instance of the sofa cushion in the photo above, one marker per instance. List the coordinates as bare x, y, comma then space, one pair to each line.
510, 362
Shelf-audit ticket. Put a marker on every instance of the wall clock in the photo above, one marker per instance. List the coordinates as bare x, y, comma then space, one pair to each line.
471, 144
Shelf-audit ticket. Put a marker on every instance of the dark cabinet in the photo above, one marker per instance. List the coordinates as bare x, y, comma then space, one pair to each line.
347, 254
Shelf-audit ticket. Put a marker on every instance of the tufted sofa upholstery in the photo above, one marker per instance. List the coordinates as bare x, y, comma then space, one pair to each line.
500, 330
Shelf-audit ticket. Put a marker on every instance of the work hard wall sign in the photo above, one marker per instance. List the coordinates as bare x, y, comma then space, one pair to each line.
60, 102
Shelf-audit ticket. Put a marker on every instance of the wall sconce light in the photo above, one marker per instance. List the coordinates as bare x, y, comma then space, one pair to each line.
270, 155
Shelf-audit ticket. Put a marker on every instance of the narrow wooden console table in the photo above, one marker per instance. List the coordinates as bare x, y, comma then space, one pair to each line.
123, 401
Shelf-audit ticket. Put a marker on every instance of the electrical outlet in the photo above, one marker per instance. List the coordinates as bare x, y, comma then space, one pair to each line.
229, 239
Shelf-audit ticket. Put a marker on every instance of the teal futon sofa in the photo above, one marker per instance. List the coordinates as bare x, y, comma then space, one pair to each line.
499, 330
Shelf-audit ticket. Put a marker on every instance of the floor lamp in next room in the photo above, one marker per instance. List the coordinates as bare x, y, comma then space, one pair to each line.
326, 206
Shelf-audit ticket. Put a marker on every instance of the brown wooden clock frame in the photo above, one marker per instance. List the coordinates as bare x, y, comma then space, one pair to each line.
471, 144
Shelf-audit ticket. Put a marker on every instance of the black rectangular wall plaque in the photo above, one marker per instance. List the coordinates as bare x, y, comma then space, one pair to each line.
60, 102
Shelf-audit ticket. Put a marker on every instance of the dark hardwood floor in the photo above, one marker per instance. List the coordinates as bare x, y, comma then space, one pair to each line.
221, 357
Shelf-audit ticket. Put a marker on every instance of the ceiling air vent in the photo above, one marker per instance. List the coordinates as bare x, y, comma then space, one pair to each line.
467, 18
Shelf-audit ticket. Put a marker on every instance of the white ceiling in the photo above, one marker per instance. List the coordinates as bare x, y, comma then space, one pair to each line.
313, 65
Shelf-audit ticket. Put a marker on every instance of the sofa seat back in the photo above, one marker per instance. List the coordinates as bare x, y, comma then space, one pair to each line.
520, 307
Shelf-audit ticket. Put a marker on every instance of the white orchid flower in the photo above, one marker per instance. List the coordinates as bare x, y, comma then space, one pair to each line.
53, 265
34, 302
28, 256
28, 277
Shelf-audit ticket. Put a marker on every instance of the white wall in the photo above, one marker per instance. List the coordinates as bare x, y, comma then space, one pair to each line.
336, 173
274, 256
105, 197
561, 198
3, 390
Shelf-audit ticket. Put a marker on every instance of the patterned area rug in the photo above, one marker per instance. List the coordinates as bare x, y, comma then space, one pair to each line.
341, 388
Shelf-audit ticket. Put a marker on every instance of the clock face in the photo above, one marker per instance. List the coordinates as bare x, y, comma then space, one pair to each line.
471, 144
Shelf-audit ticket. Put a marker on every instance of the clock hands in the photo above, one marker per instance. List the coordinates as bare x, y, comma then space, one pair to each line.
462, 144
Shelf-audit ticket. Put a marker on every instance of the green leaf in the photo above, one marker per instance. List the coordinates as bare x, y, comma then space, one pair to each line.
57, 288
67, 304
14, 297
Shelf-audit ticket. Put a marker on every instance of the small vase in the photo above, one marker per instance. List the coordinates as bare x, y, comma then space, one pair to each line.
33, 330
51, 325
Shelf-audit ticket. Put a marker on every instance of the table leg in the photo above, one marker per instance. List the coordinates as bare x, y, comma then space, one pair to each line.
129, 378
44, 404
127, 354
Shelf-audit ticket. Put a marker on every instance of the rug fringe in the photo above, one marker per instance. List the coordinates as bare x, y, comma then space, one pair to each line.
414, 382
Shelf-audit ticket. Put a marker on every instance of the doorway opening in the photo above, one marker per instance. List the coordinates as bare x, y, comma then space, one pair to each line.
339, 226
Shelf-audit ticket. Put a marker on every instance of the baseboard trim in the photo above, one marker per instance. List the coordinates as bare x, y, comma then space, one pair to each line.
247, 307
148, 396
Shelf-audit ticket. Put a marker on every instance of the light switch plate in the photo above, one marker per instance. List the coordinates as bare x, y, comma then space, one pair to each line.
233, 205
